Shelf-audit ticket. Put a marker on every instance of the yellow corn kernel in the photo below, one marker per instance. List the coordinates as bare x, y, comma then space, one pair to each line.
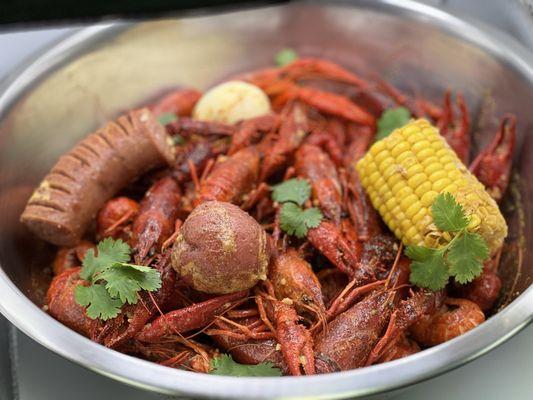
403, 174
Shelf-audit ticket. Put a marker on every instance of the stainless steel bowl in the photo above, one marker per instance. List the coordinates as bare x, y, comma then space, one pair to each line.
99, 71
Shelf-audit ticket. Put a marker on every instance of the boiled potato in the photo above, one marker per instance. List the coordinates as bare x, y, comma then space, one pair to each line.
231, 102
221, 249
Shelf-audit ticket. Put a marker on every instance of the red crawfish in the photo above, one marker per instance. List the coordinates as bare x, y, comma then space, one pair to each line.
364, 216
303, 68
250, 130
292, 131
183, 354
70, 257
325, 102
133, 317
456, 132
422, 304
375, 261
484, 290
192, 156
155, 220
231, 177
246, 349
492, 166
281, 84
115, 217
292, 277
402, 347
179, 102
315, 165
62, 305
350, 337
329, 240
324, 140
189, 318
294, 338
456, 317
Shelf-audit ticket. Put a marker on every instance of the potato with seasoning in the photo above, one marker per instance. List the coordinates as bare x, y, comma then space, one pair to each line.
231, 102
221, 249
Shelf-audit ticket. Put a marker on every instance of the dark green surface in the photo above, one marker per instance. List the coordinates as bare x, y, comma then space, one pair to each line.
6, 388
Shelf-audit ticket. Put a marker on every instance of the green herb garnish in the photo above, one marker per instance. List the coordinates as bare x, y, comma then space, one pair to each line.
296, 221
295, 190
293, 218
167, 118
285, 56
224, 365
390, 120
461, 258
113, 282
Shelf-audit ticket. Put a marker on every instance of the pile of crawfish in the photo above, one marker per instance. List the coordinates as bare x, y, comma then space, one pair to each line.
335, 300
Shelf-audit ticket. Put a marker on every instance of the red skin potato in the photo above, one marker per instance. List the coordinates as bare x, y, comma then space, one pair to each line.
221, 249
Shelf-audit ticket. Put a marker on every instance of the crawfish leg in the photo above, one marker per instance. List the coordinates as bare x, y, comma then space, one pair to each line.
188, 318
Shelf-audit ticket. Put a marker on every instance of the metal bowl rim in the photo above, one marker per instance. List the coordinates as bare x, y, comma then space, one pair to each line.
379, 378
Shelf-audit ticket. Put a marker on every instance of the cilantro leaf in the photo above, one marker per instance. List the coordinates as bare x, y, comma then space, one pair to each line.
390, 120
125, 280
113, 282
461, 258
419, 253
224, 365
431, 271
295, 190
291, 220
448, 215
99, 301
285, 56
312, 217
167, 118
296, 221
466, 255
110, 252
178, 140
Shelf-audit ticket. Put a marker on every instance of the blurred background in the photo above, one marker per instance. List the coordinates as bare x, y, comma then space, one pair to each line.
28, 371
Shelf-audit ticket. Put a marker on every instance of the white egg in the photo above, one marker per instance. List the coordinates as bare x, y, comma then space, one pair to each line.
231, 102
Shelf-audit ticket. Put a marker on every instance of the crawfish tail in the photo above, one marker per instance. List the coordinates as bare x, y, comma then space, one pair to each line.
155, 221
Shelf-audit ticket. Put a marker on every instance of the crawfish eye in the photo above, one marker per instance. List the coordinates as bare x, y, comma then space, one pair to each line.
306, 299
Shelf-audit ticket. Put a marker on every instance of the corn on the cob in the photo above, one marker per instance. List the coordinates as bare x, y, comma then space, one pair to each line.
403, 174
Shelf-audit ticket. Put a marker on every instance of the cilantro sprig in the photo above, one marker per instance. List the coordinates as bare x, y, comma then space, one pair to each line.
296, 190
390, 120
462, 257
167, 118
113, 282
224, 365
285, 56
294, 220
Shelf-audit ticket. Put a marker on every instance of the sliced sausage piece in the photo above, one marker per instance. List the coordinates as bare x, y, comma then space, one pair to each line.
82, 180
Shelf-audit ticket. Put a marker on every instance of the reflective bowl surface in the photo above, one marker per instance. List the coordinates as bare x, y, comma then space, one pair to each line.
100, 71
